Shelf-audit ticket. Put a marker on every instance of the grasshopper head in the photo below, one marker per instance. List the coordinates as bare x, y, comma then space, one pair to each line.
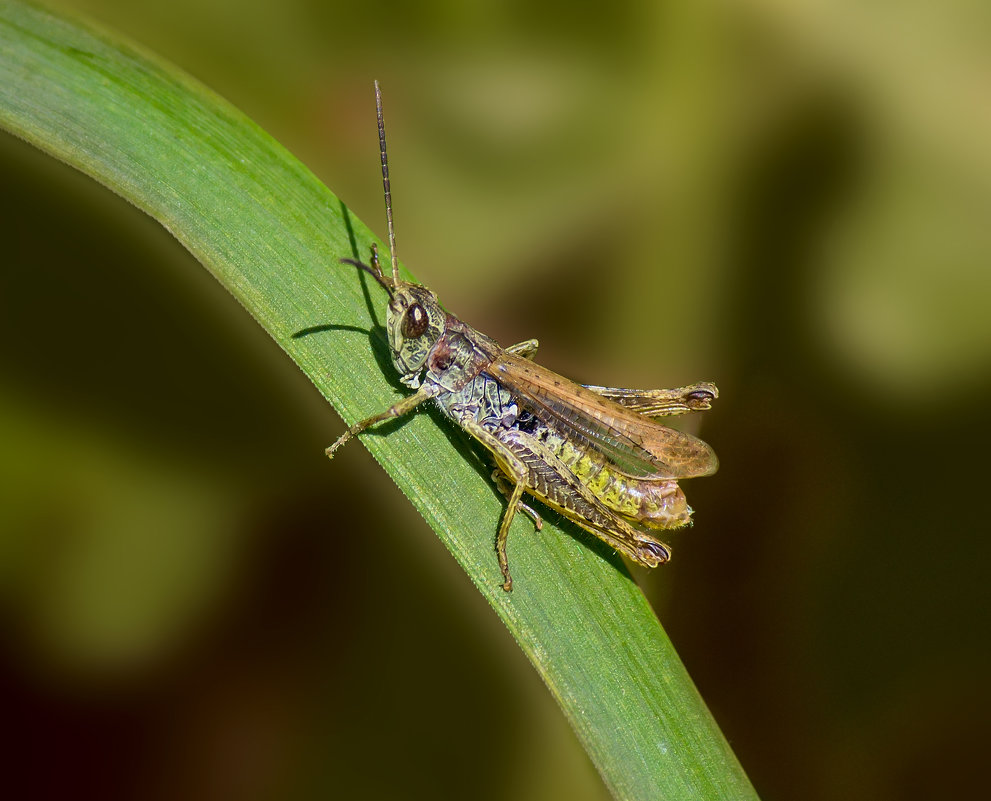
415, 321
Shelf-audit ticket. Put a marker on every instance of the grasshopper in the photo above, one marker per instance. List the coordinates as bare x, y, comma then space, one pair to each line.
595, 454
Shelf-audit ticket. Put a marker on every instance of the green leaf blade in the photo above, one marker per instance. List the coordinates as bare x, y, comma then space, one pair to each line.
272, 234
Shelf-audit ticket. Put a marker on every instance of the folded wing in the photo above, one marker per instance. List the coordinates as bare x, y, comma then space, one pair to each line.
636, 444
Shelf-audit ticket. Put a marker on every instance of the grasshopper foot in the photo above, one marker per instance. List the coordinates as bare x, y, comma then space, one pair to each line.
340, 441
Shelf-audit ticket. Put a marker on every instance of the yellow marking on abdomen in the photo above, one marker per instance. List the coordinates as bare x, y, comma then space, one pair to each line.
657, 503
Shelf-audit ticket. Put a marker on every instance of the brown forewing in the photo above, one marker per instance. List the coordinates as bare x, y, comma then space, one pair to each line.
636, 444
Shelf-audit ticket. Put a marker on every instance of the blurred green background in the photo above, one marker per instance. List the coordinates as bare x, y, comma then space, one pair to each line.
792, 200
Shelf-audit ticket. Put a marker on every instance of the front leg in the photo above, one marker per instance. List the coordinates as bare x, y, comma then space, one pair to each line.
404, 406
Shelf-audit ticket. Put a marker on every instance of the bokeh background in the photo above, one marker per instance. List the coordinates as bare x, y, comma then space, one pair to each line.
791, 199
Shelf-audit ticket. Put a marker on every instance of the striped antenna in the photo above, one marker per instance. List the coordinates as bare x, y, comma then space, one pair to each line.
387, 187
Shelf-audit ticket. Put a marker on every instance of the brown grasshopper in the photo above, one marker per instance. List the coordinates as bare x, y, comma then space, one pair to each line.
595, 454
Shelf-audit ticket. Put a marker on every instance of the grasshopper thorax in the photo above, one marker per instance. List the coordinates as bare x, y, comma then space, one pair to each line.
415, 322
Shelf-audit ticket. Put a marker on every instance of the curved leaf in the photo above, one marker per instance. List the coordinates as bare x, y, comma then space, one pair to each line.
272, 234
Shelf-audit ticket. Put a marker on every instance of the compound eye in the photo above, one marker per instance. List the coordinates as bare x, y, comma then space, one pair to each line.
414, 322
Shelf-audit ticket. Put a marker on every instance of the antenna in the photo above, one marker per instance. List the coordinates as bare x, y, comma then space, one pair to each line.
386, 187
